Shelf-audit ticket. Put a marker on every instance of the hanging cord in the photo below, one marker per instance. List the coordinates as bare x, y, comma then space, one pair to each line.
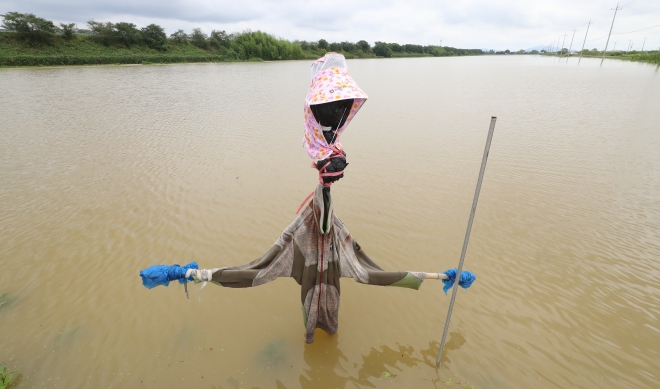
336, 153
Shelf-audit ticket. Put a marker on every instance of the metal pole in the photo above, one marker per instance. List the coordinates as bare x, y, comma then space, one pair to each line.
608, 35
570, 47
467, 235
561, 49
614, 48
585, 41
558, 49
643, 43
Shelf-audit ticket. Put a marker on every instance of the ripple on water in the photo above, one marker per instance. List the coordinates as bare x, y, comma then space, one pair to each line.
107, 170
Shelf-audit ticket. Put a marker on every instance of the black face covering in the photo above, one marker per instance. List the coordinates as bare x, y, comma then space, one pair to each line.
332, 115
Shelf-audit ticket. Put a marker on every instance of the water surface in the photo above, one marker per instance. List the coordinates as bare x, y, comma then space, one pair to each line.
107, 170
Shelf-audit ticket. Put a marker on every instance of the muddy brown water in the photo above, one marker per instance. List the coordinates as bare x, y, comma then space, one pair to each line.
107, 170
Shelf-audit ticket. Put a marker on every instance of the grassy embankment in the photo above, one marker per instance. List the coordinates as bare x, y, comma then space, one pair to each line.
246, 46
648, 57
82, 50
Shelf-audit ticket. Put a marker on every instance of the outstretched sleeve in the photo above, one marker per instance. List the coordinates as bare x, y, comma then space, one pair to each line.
276, 262
377, 276
355, 263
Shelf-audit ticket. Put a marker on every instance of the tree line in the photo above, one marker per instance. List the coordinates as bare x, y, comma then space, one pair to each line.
36, 31
362, 49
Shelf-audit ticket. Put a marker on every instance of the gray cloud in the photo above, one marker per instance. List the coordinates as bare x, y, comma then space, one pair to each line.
503, 24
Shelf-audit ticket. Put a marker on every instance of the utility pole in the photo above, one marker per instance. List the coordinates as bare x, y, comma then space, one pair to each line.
557, 49
570, 47
614, 48
643, 44
561, 49
629, 46
585, 41
608, 35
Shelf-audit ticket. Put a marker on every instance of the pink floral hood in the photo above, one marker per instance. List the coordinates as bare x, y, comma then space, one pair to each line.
329, 84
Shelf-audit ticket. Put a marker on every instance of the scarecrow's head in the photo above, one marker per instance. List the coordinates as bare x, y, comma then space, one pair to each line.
332, 101
331, 116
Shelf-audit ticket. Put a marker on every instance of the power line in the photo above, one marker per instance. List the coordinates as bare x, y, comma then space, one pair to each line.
622, 33
633, 2
630, 32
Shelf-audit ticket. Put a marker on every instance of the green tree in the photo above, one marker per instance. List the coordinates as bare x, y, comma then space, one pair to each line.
121, 33
256, 44
382, 49
219, 38
436, 51
199, 39
126, 34
364, 46
323, 44
179, 36
335, 47
102, 32
68, 30
154, 36
507, 51
348, 47
29, 27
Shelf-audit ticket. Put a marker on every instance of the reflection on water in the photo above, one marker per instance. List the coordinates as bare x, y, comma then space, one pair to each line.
107, 170
326, 362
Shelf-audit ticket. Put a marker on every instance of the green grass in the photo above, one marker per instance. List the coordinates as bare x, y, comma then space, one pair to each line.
652, 57
83, 51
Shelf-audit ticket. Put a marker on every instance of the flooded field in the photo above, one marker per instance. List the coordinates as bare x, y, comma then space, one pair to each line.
107, 170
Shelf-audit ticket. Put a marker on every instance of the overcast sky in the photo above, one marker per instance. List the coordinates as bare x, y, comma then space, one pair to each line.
499, 24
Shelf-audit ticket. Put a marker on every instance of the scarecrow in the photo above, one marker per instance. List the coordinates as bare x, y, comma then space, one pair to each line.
316, 250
